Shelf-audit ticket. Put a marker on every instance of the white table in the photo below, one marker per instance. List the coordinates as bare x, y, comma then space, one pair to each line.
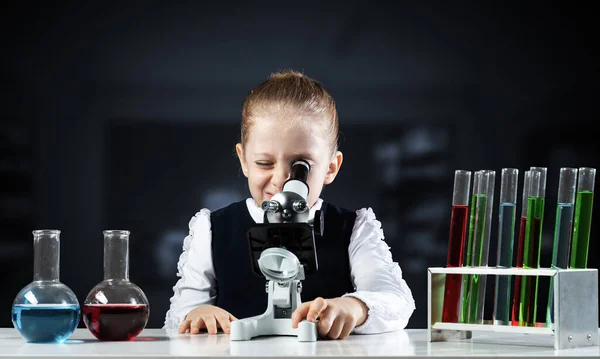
157, 343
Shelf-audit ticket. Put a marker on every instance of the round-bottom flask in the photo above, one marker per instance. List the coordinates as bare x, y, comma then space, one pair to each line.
116, 309
46, 310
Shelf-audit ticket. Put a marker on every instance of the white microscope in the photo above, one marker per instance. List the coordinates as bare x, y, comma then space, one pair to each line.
285, 247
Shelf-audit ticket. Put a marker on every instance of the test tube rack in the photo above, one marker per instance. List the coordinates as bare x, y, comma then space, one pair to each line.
575, 309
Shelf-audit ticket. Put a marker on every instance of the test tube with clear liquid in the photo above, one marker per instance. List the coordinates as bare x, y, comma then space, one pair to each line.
563, 226
46, 310
506, 238
456, 244
116, 309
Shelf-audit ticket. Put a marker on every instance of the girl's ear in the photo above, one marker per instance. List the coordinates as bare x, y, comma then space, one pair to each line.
239, 149
334, 167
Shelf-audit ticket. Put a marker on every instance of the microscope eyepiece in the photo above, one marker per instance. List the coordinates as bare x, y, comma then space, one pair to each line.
300, 169
289, 205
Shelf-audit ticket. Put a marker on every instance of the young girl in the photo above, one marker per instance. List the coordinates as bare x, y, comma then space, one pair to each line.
357, 288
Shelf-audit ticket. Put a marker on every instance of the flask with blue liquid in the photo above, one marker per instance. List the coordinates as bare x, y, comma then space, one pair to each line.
46, 310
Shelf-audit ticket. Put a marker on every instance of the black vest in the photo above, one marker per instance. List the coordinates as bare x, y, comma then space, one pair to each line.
242, 293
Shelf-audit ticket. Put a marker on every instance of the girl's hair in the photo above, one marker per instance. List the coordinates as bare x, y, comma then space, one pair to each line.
290, 89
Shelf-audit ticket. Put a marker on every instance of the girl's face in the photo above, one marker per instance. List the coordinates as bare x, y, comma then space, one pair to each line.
272, 146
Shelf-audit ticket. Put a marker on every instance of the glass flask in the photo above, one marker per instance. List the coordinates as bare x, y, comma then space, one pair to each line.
46, 311
116, 309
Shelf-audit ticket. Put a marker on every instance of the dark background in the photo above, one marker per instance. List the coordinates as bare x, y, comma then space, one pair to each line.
125, 115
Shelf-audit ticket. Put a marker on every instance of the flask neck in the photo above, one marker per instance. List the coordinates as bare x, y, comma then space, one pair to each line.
46, 255
116, 255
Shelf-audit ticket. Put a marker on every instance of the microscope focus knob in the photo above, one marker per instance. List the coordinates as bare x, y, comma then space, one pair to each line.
300, 206
272, 206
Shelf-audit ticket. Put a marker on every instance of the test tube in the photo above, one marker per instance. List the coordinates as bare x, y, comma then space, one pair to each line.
521, 242
543, 175
491, 186
485, 252
564, 217
582, 224
542, 194
506, 238
480, 250
456, 244
562, 229
466, 287
531, 248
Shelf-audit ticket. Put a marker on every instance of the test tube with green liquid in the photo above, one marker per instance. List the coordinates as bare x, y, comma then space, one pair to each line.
480, 245
582, 224
532, 246
473, 223
485, 246
563, 226
506, 238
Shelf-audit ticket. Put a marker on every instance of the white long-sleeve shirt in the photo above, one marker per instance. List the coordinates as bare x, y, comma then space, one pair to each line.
377, 279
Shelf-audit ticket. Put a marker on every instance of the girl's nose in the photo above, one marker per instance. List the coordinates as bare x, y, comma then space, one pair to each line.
280, 175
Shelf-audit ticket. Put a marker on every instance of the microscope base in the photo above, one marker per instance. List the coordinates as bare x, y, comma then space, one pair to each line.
248, 328
283, 299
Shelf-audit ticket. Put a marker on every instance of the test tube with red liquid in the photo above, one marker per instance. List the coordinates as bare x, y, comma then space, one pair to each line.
456, 245
532, 245
514, 317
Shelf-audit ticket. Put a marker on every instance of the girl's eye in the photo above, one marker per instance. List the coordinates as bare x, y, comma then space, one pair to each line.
263, 164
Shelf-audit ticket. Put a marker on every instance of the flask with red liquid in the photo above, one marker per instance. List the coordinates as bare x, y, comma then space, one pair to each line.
116, 309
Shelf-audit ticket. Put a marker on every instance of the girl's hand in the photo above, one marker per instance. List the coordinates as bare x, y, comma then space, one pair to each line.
337, 317
209, 317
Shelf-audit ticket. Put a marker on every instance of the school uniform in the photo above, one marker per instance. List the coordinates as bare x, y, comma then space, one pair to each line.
353, 259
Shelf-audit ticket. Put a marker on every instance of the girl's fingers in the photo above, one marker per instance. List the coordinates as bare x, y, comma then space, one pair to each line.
211, 324
185, 326
224, 323
196, 325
